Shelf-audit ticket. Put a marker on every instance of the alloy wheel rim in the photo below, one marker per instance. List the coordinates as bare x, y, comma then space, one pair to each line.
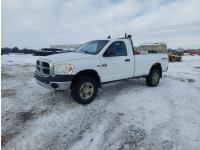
86, 90
155, 78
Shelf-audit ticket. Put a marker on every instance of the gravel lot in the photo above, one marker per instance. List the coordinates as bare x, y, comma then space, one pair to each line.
125, 115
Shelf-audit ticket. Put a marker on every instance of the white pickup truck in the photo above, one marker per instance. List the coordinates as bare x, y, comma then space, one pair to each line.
97, 62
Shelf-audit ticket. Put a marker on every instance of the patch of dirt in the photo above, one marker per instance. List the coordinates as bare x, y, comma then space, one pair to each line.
167, 145
133, 138
7, 136
42, 112
114, 123
190, 80
71, 133
22, 117
18, 123
27, 66
60, 96
197, 67
181, 79
4, 74
8, 93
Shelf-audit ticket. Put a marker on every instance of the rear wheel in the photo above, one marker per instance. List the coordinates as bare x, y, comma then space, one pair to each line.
84, 90
153, 78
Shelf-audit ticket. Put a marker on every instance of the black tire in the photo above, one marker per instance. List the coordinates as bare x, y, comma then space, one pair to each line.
77, 90
151, 78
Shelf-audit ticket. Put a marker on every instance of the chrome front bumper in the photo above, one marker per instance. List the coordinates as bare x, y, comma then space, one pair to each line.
55, 82
61, 85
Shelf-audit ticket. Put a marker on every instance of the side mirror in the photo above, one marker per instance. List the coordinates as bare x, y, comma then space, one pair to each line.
109, 52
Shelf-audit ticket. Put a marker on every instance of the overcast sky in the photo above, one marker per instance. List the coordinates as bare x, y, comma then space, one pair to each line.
39, 23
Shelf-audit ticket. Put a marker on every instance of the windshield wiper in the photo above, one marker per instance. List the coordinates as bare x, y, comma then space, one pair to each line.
78, 51
86, 52
70, 51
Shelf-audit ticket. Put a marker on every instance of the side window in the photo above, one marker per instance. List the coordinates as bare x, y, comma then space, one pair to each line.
117, 48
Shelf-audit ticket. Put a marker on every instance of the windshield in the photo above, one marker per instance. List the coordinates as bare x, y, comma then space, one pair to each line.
92, 47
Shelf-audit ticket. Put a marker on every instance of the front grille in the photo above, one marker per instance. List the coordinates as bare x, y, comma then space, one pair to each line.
45, 64
43, 67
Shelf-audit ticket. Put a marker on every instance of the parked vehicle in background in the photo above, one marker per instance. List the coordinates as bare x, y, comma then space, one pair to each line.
66, 47
175, 55
179, 51
99, 62
176, 52
174, 58
47, 51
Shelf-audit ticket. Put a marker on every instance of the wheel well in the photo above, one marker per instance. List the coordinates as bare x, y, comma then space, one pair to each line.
157, 66
89, 72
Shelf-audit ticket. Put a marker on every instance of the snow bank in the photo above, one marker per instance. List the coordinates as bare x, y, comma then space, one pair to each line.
13, 59
125, 115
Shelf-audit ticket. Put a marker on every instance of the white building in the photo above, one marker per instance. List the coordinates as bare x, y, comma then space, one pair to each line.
153, 47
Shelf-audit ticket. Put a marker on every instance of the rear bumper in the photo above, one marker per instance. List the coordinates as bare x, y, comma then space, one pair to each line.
55, 82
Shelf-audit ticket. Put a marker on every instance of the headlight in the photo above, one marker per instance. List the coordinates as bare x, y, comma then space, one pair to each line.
70, 69
63, 69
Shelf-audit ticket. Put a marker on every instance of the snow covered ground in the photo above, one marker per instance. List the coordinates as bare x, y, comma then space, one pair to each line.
125, 115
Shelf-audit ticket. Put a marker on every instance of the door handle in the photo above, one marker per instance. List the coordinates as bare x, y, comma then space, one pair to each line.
127, 60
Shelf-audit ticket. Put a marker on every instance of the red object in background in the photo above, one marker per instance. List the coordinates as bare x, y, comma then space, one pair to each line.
194, 52
198, 52
136, 53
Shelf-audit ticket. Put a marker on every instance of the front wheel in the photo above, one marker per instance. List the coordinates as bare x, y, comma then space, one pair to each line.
153, 78
84, 90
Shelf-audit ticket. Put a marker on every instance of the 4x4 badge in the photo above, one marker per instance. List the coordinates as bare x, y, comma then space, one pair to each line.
104, 65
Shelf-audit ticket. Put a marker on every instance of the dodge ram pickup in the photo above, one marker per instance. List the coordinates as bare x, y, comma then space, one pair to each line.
97, 62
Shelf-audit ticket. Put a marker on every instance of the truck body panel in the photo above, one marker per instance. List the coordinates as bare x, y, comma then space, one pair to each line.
124, 65
145, 62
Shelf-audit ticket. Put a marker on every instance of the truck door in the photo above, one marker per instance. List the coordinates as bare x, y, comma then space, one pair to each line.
116, 63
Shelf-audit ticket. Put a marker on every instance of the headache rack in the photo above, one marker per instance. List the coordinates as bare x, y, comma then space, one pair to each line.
126, 36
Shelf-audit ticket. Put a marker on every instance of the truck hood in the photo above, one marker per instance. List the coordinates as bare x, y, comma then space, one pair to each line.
56, 58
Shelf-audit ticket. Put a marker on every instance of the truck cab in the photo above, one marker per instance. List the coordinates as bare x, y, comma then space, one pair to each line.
97, 62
